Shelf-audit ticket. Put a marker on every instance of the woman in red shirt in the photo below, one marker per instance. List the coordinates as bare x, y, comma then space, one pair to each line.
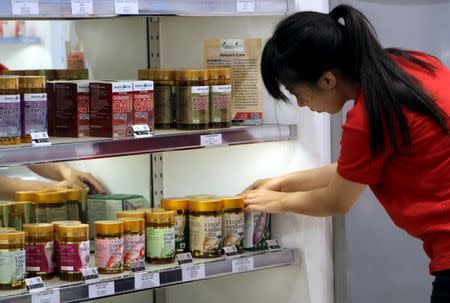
396, 138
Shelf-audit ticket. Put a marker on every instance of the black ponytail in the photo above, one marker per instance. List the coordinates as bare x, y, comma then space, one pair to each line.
307, 44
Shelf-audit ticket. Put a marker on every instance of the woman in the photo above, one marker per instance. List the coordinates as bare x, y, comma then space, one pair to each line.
396, 138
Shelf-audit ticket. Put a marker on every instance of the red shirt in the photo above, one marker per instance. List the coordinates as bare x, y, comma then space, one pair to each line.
412, 185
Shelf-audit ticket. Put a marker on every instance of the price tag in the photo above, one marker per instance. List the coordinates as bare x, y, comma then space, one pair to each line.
184, 259
211, 140
230, 251
46, 296
146, 280
25, 7
138, 266
242, 265
90, 275
141, 131
245, 6
40, 139
273, 245
34, 284
127, 7
82, 7
101, 290
193, 272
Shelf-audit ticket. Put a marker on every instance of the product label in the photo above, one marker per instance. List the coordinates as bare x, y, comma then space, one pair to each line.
205, 233
83, 114
10, 125
233, 229
34, 113
12, 266
143, 108
127, 7
109, 253
122, 108
192, 104
160, 242
141, 86
74, 257
50, 214
163, 105
25, 7
220, 103
40, 257
82, 7
181, 232
73, 211
134, 249
257, 230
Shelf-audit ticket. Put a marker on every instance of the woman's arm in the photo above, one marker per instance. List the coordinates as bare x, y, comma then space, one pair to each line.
9, 186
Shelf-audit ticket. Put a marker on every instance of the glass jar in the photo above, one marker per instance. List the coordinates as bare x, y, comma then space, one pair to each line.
56, 225
205, 228
192, 95
50, 206
134, 240
19, 214
39, 245
12, 260
4, 213
108, 246
220, 97
136, 214
164, 91
73, 204
28, 196
160, 236
34, 105
181, 208
73, 251
233, 222
10, 112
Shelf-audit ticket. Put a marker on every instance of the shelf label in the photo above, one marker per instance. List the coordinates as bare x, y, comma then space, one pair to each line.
193, 272
34, 284
184, 259
273, 245
242, 265
146, 280
101, 290
25, 7
82, 7
230, 251
245, 6
127, 7
40, 139
138, 266
141, 131
90, 275
46, 296
211, 140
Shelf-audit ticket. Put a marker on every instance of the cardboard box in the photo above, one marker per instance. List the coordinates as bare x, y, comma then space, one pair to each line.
143, 104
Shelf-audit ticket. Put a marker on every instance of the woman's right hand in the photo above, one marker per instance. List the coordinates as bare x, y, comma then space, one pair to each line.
273, 184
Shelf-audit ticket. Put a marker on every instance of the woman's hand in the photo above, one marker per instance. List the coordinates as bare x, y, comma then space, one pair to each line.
81, 180
269, 184
263, 200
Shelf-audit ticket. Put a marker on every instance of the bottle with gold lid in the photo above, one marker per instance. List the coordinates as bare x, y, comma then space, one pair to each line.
10, 112
56, 225
73, 203
39, 244
136, 214
72, 74
164, 91
205, 227
160, 236
28, 196
233, 222
49, 74
4, 213
73, 251
20, 213
109, 244
50, 206
181, 208
220, 97
134, 240
201, 197
12, 260
192, 95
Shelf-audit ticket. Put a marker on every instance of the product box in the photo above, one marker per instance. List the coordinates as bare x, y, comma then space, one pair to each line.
143, 104
111, 108
72, 117
51, 107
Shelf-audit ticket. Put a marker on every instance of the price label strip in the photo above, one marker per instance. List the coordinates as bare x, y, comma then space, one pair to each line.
211, 140
82, 7
184, 259
192, 272
273, 245
242, 265
34, 285
145, 280
40, 139
141, 131
138, 266
25, 7
126, 7
101, 290
230, 251
90, 275
245, 6
46, 296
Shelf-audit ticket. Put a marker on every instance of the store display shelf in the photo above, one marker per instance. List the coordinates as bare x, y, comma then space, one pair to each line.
20, 40
166, 275
65, 149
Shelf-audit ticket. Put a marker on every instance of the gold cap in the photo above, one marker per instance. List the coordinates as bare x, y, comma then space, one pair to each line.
156, 74
38, 229
232, 202
50, 197
160, 216
32, 82
219, 73
9, 82
192, 75
58, 224
108, 227
205, 205
79, 230
26, 195
13, 237
14, 72
72, 74
136, 214
146, 210
49, 74
7, 229
196, 197
175, 203
73, 194
133, 224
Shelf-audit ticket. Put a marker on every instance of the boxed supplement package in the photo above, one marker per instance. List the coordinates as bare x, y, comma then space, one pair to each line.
143, 109
51, 107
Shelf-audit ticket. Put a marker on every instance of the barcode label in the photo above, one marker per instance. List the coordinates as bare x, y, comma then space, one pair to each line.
138, 266
40, 139
34, 284
230, 251
90, 275
141, 131
184, 259
273, 245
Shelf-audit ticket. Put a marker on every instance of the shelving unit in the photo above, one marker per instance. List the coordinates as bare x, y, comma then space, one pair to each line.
20, 40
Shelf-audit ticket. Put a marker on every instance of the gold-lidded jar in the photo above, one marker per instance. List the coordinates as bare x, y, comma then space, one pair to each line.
20, 213
181, 208
201, 197
134, 240
233, 222
10, 110
51, 206
109, 245
73, 239
39, 246
192, 95
72, 74
4, 213
164, 91
136, 214
160, 236
74, 199
205, 227
220, 97
12, 260
56, 225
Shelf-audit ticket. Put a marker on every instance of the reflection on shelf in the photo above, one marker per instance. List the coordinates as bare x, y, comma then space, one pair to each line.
20, 40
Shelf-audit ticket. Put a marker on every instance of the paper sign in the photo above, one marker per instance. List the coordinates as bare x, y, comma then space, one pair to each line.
230, 251
141, 131
193, 272
146, 280
127, 7
273, 245
211, 140
101, 290
25, 7
82, 7
46, 296
245, 6
242, 265
184, 259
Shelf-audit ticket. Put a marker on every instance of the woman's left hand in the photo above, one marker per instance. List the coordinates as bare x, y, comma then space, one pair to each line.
82, 179
263, 200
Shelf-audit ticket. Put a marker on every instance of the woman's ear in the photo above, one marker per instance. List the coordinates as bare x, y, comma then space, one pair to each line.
327, 81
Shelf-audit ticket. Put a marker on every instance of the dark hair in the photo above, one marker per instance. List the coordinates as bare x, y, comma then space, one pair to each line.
307, 44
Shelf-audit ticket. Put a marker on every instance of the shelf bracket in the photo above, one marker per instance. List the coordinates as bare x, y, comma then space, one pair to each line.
153, 47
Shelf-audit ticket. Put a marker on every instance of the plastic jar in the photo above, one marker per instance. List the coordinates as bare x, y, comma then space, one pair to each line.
39, 247
205, 228
19, 214
233, 222
257, 230
220, 97
73, 250
192, 95
28, 196
181, 208
50, 206
10, 127
109, 245
164, 91
160, 236
134, 240
135, 214
74, 200
12, 260
4, 214
56, 225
